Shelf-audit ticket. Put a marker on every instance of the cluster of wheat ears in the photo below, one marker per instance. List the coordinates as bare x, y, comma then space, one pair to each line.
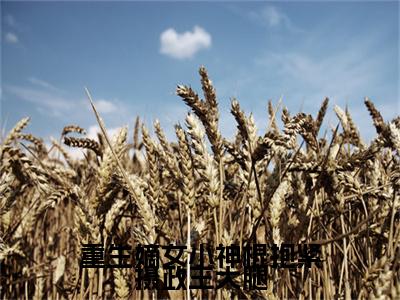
288, 185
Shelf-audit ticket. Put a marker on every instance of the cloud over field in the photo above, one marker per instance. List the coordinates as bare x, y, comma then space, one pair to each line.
11, 38
105, 106
184, 45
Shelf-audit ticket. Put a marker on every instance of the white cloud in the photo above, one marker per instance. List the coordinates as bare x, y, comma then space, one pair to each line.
95, 129
310, 71
104, 106
345, 76
273, 17
184, 45
47, 99
47, 96
42, 98
11, 38
337, 75
42, 83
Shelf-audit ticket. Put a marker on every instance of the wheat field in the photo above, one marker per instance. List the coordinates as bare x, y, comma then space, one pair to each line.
288, 185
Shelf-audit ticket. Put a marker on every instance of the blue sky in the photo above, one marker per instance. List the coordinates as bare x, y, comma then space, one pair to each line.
131, 56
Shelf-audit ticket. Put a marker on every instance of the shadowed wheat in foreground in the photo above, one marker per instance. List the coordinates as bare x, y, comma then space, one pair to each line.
289, 185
